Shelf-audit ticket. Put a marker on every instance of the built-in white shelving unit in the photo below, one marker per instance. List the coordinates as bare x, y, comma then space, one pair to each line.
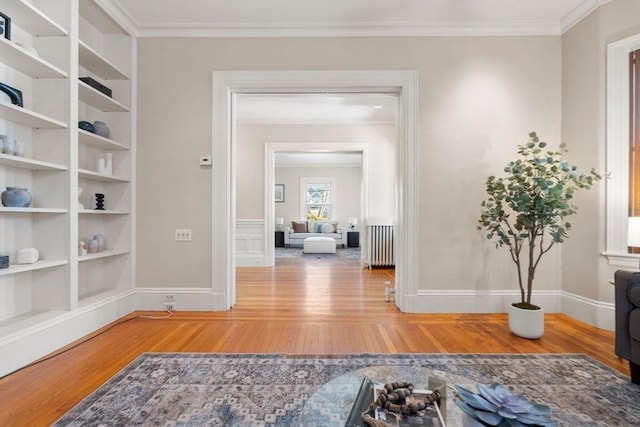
52, 45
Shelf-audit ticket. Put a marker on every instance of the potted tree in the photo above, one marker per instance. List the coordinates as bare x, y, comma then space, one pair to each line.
525, 212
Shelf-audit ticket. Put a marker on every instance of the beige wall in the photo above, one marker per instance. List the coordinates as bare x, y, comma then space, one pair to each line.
478, 99
584, 271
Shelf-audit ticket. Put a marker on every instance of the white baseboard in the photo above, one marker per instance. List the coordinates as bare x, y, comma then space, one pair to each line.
185, 299
479, 302
595, 313
30, 344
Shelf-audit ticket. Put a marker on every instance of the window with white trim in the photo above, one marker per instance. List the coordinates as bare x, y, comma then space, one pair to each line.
318, 198
620, 165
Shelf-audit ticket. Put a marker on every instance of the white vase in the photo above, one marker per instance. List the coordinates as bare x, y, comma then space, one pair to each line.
102, 166
109, 163
526, 323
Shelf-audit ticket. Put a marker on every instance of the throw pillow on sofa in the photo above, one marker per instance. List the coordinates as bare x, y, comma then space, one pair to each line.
299, 226
327, 228
319, 225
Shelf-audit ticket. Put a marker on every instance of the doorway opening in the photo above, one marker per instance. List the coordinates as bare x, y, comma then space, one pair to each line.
228, 84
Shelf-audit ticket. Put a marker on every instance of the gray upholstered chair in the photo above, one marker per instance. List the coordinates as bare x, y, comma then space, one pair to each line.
627, 295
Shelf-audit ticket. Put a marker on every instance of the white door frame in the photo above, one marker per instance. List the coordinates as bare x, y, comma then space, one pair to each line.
270, 149
228, 83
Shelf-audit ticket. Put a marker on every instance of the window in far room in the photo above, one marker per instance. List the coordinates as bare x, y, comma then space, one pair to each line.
318, 198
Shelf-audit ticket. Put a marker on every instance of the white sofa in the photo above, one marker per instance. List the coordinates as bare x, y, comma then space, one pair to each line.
300, 230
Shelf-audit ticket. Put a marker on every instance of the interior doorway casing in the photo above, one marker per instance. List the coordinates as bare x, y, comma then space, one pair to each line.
270, 150
226, 84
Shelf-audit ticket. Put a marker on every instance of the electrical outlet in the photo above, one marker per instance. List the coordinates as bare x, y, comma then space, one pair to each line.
183, 234
169, 302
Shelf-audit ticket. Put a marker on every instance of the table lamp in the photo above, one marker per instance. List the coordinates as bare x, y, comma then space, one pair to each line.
279, 223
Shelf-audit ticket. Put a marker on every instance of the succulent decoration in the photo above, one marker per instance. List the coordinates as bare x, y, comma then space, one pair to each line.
527, 208
497, 406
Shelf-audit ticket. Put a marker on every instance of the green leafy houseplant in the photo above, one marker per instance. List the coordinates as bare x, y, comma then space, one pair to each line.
528, 207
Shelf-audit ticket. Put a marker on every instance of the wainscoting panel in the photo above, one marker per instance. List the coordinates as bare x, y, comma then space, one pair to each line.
250, 243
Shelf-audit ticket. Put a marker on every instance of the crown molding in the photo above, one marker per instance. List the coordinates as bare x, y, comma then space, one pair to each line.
579, 13
350, 29
121, 15
341, 29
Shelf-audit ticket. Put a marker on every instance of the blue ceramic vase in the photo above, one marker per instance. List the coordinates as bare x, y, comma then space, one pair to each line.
84, 125
16, 197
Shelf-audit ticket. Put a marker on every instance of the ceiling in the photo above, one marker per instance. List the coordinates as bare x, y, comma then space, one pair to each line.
283, 18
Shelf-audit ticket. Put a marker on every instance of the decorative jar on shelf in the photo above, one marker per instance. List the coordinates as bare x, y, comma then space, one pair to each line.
92, 247
101, 128
16, 197
99, 238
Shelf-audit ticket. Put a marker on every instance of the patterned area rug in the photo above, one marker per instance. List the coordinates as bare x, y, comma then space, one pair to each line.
349, 253
207, 389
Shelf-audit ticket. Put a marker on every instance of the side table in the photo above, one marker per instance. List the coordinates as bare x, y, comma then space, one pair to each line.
279, 239
353, 239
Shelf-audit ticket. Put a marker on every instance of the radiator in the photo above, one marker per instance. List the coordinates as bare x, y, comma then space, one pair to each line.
380, 246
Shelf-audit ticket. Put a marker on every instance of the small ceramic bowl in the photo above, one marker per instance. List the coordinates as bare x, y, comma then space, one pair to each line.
86, 126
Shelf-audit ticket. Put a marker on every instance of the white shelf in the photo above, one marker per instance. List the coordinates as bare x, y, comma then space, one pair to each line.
33, 210
31, 164
39, 265
26, 16
29, 118
24, 61
53, 289
88, 138
95, 176
98, 212
97, 64
27, 320
104, 254
99, 100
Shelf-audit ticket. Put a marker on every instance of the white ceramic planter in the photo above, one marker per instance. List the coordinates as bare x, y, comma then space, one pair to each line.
526, 323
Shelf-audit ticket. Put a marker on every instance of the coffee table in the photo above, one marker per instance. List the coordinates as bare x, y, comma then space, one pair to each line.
331, 404
319, 245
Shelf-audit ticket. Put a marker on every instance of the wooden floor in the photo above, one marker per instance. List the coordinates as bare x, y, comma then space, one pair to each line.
302, 308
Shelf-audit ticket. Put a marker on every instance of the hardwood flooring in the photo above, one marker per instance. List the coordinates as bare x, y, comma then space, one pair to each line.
316, 307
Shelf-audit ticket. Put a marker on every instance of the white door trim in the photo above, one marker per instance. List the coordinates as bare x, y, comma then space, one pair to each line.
228, 83
271, 148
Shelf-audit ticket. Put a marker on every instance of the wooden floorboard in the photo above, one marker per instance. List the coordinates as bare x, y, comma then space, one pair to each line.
316, 307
